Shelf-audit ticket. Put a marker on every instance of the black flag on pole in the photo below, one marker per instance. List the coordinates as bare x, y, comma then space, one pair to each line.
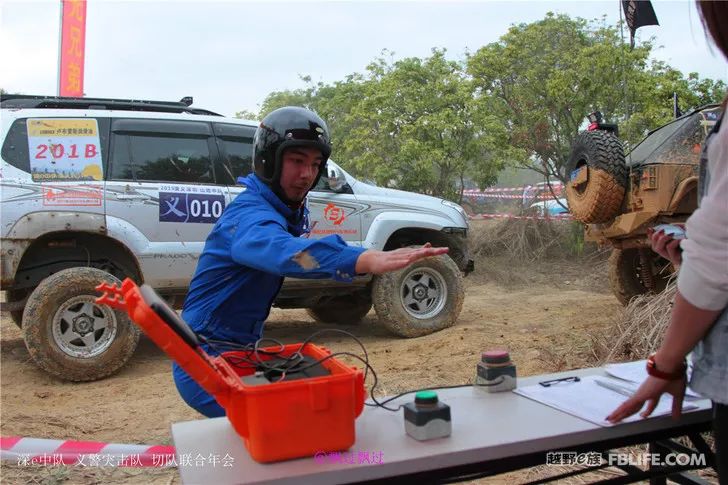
638, 13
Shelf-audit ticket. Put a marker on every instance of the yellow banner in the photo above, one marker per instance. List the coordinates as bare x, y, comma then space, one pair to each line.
61, 127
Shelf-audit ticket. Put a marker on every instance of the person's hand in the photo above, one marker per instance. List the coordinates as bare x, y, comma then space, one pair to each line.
650, 391
665, 246
378, 262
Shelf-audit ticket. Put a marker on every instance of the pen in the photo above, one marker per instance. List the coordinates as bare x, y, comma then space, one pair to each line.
556, 381
615, 387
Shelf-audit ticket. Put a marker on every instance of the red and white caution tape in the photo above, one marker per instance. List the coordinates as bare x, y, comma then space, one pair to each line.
556, 186
481, 195
38, 451
558, 217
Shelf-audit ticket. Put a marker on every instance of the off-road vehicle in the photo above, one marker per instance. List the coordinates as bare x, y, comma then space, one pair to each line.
103, 189
619, 197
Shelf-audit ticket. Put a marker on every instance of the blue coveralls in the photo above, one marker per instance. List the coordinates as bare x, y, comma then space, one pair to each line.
253, 245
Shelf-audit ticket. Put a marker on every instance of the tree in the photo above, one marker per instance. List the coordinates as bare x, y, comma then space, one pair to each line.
542, 79
246, 115
422, 130
654, 106
430, 124
334, 103
300, 97
412, 124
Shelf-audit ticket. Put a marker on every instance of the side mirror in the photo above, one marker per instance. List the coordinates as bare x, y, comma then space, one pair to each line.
337, 181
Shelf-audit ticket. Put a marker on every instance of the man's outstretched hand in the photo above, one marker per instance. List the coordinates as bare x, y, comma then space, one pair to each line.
378, 262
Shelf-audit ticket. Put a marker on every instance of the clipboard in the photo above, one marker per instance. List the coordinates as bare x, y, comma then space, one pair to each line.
636, 372
590, 401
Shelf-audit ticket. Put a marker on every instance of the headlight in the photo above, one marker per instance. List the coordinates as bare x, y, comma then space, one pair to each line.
457, 208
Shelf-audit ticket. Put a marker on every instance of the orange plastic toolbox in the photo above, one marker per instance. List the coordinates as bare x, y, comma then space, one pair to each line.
277, 421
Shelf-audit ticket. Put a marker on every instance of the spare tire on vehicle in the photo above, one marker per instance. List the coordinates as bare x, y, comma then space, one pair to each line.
597, 177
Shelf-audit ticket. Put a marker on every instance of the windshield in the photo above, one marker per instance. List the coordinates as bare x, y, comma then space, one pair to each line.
677, 142
323, 183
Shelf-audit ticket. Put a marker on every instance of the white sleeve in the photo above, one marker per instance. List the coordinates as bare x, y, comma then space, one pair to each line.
703, 277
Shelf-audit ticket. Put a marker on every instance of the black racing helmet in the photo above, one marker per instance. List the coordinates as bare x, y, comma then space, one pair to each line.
284, 128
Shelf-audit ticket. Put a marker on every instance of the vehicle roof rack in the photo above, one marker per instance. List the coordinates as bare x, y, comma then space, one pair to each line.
60, 102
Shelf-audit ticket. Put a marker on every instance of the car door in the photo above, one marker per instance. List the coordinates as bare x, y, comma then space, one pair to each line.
333, 212
235, 145
161, 194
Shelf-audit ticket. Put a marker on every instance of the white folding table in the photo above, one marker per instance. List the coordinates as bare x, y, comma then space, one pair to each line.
491, 433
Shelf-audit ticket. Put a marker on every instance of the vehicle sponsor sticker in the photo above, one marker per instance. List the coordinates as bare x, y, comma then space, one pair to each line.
328, 232
190, 207
334, 217
64, 149
334, 214
72, 195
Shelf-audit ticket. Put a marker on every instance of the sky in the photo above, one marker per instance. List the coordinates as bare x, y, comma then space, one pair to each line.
230, 55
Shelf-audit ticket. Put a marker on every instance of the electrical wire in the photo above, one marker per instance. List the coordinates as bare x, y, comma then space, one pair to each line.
253, 349
434, 388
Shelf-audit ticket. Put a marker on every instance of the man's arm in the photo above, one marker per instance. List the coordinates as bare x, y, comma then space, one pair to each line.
377, 262
268, 247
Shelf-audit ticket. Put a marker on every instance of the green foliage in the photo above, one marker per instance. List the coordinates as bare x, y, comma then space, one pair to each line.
543, 78
516, 177
654, 106
246, 115
413, 124
431, 125
575, 238
420, 128
300, 97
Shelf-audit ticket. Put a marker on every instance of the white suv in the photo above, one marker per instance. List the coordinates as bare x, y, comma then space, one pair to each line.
101, 189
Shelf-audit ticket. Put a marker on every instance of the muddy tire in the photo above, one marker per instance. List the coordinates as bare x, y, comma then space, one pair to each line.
344, 310
420, 299
597, 177
70, 336
629, 276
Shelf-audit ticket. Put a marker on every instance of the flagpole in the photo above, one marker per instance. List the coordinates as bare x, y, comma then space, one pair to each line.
627, 113
60, 46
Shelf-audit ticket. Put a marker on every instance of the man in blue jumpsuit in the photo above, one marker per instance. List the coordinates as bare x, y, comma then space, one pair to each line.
256, 243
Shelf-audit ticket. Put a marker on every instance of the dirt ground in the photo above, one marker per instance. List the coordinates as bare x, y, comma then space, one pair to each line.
544, 313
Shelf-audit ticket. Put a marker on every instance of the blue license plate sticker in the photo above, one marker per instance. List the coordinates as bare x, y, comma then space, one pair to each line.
190, 207
575, 173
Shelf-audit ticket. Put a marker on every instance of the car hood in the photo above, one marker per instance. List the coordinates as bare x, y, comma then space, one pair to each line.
410, 200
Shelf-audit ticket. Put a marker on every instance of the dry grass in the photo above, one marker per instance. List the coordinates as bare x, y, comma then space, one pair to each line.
639, 330
523, 240
532, 240
517, 252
